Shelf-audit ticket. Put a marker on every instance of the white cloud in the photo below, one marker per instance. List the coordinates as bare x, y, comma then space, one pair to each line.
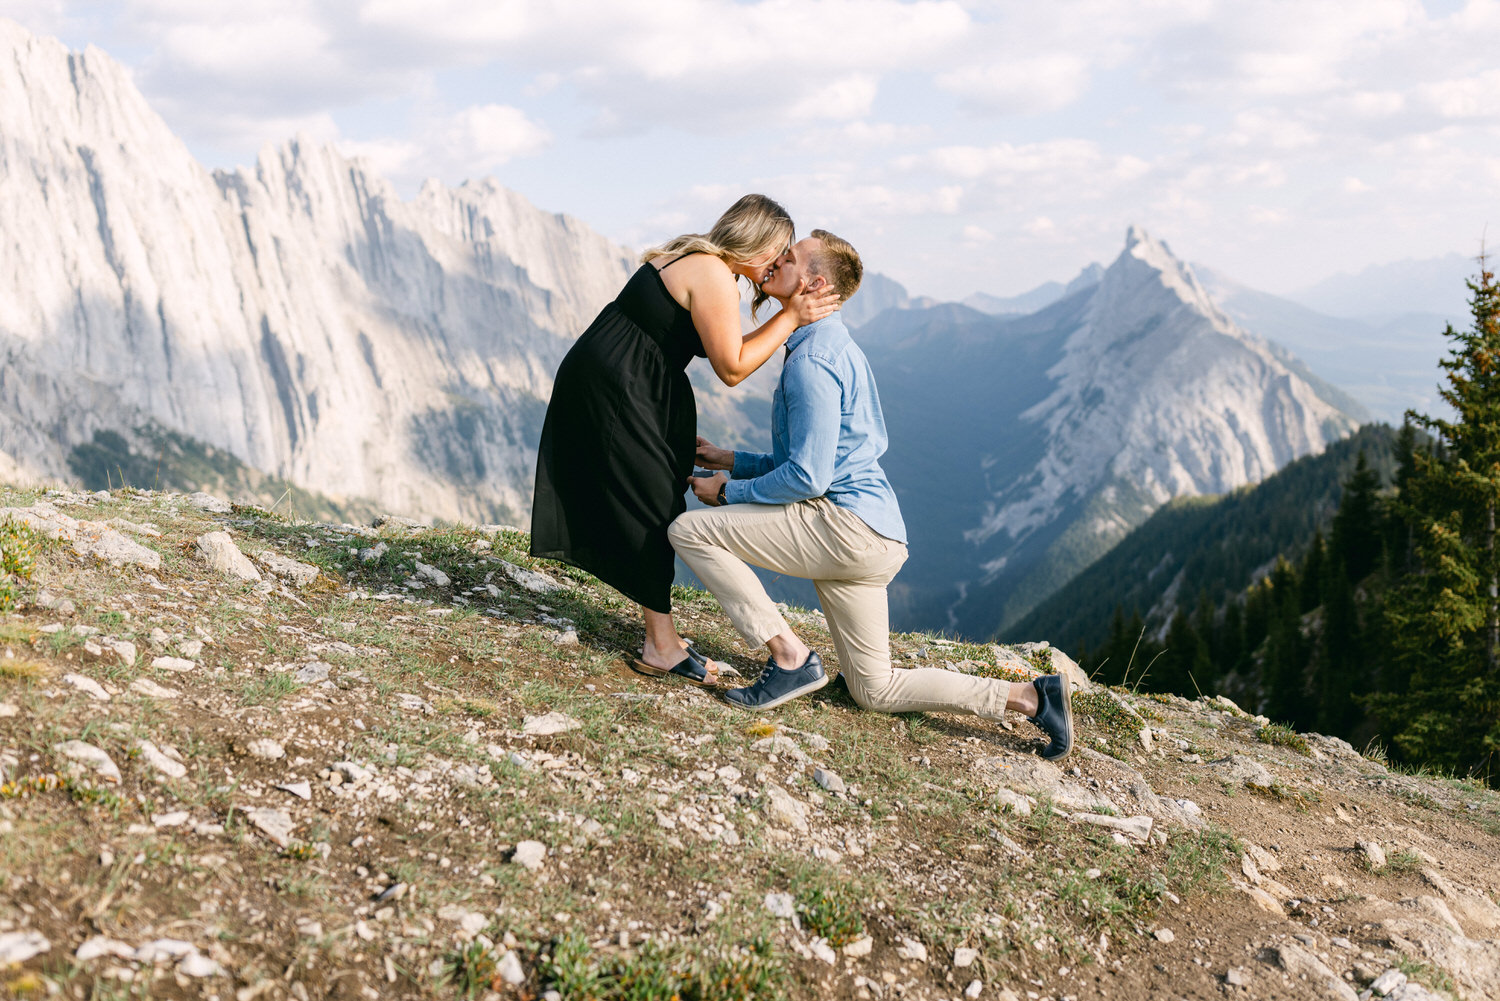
470, 143
976, 236
1039, 83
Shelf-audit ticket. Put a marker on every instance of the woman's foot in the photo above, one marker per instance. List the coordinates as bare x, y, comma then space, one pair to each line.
685, 662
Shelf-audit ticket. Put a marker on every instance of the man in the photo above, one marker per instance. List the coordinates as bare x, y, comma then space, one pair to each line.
820, 507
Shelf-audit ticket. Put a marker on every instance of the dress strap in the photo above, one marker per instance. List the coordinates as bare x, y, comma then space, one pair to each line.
674, 260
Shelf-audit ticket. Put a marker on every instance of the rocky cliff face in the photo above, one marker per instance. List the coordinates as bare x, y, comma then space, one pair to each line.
1068, 427
298, 314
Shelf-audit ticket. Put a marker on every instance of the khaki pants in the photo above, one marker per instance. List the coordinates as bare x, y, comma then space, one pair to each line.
850, 565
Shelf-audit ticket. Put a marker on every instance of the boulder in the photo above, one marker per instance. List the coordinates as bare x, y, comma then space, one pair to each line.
220, 552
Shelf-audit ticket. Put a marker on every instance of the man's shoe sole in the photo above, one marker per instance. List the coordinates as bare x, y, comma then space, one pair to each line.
1067, 688
795, 693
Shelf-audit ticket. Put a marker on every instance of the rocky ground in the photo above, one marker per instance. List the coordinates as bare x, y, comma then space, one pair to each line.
242, 757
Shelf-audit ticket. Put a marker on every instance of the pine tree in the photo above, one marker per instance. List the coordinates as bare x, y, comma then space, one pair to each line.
1283, 676
1356, 526
1444, 619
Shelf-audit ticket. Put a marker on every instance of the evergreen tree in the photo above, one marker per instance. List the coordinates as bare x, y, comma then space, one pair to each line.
1444, 620
1356, 527
1283, 678
1312, 571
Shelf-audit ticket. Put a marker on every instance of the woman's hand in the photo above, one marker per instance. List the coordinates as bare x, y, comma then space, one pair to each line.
711, 456
810, 307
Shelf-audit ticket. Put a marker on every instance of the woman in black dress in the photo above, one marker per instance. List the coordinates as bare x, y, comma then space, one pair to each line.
621, 429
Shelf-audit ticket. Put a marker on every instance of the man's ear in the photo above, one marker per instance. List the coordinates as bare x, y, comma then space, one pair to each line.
815, 282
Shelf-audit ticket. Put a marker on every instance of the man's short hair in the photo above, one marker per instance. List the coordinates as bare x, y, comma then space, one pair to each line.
838, 262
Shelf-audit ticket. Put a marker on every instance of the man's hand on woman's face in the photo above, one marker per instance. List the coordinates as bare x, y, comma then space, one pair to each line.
706, 488
711, 456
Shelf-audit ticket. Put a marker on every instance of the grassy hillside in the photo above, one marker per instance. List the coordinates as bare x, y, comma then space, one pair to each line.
398, 782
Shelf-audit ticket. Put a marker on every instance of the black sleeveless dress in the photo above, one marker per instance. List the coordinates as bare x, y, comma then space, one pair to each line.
618, 443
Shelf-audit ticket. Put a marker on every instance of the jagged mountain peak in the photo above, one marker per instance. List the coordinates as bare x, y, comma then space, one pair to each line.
295, 312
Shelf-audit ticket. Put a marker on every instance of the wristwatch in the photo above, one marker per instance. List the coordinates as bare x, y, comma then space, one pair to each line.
722, 487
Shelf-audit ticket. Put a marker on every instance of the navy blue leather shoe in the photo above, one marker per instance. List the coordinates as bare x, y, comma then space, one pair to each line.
776, 686
1054, 715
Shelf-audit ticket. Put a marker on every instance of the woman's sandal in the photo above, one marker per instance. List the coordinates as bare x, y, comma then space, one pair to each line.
693, 668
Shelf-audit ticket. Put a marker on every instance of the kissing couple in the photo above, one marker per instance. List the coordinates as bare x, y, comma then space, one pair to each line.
817, 506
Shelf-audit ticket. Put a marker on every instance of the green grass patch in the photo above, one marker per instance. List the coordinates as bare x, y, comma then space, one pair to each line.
655, 972
1281, 735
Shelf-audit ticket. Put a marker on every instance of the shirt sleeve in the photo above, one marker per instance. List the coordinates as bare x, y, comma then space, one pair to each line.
749, 465
814, 397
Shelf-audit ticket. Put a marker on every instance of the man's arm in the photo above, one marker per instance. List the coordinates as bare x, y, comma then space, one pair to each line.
814, 399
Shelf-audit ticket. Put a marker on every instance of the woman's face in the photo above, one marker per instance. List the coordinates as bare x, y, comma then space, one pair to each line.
759, 268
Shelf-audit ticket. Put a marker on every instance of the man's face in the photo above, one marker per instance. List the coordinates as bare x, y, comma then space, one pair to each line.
793, 269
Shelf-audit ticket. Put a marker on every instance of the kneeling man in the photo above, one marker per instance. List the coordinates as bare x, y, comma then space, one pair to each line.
819, 506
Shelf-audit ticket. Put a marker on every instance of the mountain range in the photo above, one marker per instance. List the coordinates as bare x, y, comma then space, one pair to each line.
303, 318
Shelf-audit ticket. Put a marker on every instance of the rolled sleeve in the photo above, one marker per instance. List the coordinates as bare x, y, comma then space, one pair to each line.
749, 465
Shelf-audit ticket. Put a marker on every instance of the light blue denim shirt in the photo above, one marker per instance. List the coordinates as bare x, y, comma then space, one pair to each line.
827, 434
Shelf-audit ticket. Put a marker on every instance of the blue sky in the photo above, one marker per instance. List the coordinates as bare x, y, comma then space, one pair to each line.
963, 145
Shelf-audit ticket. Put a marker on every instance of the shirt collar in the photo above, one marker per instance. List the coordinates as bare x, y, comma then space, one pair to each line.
803, 333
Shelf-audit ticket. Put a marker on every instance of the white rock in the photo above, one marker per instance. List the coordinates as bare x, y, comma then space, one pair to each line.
265, 748
975, 988
860, 947
1388, 982
549, 724
122, 649
822, 950
781, 905
432, 573
158, 760
1137, 829
220, 552
311, 674
19, 946
163, 949
1164, 935
509, 969
276, 825
783, 808
300, 574
88, 758
911, 949
208, 502
100, 945
1240, 770
301, 790
1374, 854
176, 664
190, 648
531, 580
87, 685
198, 966
352, 773
8, 709
530, 854
174, 819
830, 781
963, 958
149, 688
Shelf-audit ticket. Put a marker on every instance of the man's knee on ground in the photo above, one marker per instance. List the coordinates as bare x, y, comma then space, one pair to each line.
865, 698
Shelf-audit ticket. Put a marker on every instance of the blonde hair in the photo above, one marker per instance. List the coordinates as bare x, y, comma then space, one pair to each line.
839, 262
753, 227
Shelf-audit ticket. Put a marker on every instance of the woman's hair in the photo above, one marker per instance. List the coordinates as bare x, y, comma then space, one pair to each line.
753, 227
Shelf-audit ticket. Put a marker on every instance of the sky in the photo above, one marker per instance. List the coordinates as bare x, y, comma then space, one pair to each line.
962, 145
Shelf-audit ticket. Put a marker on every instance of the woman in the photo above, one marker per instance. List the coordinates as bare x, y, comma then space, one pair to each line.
621, 428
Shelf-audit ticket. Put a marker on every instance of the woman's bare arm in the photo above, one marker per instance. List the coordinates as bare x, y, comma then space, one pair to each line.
713, 299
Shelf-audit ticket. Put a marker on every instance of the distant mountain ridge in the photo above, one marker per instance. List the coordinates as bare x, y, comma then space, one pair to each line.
1218, 545
1054, 434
